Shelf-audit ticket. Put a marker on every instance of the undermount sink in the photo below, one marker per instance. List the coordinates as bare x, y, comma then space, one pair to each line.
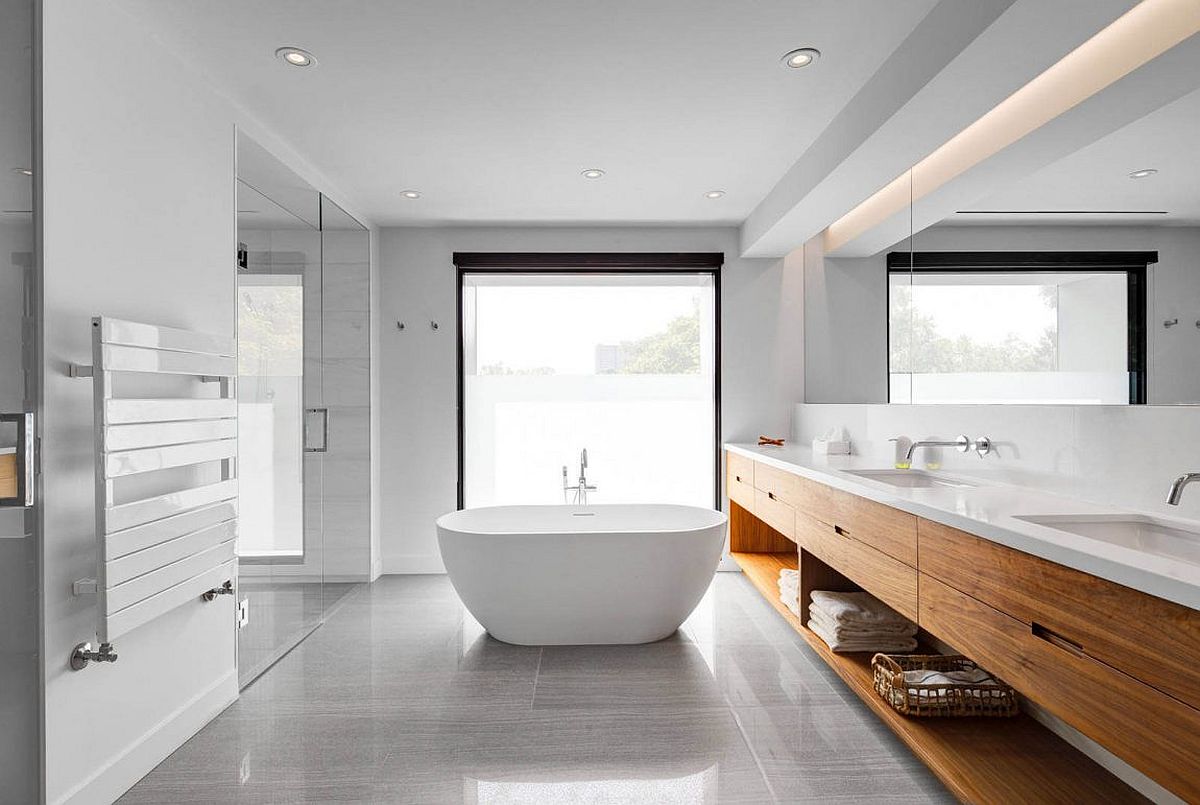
911, 479
1136, 531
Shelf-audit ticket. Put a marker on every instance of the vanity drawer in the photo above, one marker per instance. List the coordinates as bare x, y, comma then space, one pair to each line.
1152, 731
1156, 641
891, 581
739, 480
775, 513
815, 499
889, 530
776, 482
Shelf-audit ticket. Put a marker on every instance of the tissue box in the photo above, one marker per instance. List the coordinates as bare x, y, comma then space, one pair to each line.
831, 447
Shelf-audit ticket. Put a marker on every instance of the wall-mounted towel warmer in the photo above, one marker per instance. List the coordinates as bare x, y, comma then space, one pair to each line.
176, 546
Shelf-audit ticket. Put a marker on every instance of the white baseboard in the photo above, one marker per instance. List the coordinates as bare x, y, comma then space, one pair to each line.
134, 762
727, 565
414, 563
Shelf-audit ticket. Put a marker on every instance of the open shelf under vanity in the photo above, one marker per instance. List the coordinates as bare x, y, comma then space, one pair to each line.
983, 760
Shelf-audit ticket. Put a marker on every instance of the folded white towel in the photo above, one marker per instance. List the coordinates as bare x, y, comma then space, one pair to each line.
850, 631
856, 608
974, 676
891, 644
977, 676
791, 602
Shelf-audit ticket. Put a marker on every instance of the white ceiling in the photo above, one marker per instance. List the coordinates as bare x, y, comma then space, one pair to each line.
1096, 179
492, 109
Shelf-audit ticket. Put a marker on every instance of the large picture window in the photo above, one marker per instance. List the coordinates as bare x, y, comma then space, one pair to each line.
623, 363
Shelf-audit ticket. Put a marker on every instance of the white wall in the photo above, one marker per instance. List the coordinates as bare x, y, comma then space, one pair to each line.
762, 356
846, 304
139, 222
845, 327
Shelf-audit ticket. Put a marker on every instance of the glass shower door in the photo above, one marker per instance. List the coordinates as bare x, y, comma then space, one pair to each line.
282, 428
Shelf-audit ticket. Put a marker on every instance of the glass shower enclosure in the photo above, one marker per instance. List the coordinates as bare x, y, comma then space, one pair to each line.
294, 248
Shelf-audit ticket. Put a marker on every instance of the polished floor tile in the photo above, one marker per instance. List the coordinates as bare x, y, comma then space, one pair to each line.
401, 697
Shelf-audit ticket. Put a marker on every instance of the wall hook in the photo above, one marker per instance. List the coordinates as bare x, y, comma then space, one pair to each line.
433, 325
1171, 322
399, 325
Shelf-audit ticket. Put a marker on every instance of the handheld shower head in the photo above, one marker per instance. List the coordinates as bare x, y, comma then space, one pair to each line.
583, 459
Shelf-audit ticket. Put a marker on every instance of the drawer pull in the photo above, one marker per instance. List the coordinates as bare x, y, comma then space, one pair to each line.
771, 495
737, 478
841, 532
1055, 639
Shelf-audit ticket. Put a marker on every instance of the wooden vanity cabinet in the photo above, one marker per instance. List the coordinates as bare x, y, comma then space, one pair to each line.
739, 480
1121, 666
1153, 732
1150, 639
888, 579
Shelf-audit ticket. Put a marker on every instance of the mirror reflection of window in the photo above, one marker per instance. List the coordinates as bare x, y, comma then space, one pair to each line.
1015, 336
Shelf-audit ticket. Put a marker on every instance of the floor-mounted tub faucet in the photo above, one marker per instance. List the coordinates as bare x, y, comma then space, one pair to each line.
581, 488
1178, 484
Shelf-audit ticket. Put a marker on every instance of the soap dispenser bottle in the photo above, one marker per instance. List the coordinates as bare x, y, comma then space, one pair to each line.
900, 459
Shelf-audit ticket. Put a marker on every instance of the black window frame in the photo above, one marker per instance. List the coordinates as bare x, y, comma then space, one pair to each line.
1134, 264
583, 264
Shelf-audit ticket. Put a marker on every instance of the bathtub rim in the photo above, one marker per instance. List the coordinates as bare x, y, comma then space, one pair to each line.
723, 519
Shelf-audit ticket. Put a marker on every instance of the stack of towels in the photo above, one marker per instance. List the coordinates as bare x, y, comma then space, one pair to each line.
858, 622
789, 589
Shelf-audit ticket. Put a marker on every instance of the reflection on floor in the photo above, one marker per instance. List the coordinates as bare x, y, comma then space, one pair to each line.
401, 697
282, 612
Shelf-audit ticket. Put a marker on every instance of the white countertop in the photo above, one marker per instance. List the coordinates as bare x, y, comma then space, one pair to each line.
989, 511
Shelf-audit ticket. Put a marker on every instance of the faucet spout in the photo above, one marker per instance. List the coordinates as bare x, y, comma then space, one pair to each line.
962, 444
1178, 484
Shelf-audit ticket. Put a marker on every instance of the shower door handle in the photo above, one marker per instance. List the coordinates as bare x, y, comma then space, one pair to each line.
16, 468
324, 444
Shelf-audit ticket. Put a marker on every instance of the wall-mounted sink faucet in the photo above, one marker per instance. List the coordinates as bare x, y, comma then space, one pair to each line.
982, 446
581, 488
1178, 484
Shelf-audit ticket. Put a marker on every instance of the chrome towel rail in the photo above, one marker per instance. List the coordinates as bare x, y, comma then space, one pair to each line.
159, 552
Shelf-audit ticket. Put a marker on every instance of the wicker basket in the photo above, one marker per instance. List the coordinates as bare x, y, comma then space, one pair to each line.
939, 699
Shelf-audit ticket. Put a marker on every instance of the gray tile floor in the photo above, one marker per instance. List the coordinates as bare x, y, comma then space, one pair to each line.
402, 698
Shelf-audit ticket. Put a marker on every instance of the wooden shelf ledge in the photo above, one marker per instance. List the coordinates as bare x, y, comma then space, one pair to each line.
980, 760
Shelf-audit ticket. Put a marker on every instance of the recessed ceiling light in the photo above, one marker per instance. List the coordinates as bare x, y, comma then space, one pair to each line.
714, 194
592, 173
801, 57
1143, 173
23, 171
296, 57
410, 194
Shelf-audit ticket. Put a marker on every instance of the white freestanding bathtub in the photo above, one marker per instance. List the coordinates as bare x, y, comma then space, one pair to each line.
572, 575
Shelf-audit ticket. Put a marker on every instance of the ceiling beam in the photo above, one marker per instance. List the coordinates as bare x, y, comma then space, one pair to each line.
960, 61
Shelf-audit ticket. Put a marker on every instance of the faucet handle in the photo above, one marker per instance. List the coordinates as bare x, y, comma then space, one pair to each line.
982, 445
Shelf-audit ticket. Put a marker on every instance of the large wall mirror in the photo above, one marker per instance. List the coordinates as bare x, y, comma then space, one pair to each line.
1064, 269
